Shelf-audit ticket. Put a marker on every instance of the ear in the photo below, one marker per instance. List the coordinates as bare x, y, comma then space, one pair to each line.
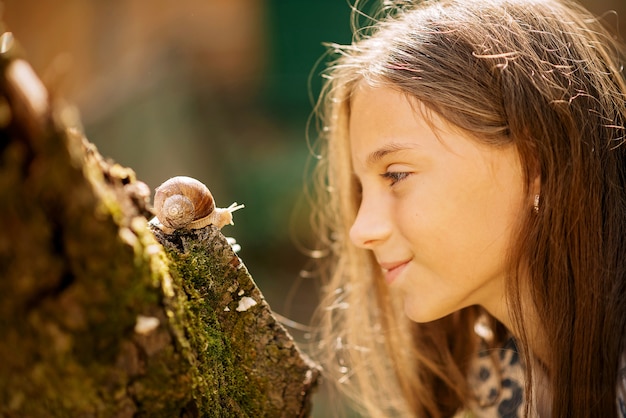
535, 188
529, 157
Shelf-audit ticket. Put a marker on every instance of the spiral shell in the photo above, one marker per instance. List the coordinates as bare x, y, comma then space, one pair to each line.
181, 201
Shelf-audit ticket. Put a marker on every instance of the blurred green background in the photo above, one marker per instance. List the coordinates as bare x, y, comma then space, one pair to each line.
214, 89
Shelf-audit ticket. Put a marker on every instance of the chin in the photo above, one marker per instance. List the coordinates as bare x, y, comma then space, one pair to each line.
422, 313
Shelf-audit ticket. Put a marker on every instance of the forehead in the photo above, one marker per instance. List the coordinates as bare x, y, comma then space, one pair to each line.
384, 120
386, 124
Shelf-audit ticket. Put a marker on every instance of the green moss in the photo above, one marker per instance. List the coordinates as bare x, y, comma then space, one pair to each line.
221, 384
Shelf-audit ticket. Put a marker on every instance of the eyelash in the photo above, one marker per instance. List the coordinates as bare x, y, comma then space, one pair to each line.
395, 176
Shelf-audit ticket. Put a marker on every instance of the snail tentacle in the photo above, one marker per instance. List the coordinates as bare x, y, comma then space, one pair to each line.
219, 217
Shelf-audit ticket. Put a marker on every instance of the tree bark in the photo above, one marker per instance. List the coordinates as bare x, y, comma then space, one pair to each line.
102, 316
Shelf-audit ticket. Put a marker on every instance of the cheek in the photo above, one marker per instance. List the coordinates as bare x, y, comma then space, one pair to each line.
462, 228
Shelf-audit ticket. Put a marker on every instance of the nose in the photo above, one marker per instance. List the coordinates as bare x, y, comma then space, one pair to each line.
372, 225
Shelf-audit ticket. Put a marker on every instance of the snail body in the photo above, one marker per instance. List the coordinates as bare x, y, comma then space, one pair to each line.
186, 203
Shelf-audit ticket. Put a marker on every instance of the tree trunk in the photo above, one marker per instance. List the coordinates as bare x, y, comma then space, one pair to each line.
101, 316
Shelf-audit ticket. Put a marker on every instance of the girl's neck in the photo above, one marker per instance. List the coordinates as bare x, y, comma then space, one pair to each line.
538, 345
536, 339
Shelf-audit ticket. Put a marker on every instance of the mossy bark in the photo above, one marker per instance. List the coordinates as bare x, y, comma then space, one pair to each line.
100, 316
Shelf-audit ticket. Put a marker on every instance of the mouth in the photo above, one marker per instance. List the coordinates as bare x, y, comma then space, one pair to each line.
392, 270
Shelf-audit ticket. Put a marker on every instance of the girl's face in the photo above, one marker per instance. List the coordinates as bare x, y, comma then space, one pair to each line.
438, 209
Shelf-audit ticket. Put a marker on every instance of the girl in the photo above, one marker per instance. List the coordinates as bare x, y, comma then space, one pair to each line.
473, 186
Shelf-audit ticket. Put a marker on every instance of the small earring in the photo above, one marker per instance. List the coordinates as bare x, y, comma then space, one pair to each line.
536, 204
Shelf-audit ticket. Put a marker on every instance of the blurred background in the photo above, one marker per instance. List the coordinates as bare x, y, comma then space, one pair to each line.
219, 90
216, 90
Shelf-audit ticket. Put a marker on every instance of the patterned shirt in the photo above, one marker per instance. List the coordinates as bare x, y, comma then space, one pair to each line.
499, 391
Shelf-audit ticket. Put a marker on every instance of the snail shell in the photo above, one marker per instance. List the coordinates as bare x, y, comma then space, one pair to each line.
184, 202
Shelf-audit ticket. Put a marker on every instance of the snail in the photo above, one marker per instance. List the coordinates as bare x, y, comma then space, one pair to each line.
186, 203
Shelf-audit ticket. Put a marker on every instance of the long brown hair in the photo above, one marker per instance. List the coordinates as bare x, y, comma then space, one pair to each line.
546, 76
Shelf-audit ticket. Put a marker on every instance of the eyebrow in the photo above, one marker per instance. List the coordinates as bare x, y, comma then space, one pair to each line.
377, 155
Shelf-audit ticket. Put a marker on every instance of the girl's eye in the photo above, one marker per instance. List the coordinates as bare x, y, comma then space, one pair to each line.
395, 176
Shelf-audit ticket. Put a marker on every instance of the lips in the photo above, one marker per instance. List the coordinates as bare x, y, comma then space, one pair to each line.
392, 270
